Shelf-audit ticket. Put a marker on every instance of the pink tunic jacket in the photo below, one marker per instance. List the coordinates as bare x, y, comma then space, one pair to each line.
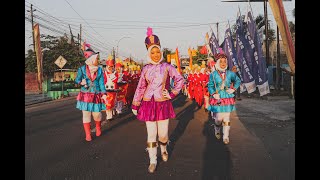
154, 78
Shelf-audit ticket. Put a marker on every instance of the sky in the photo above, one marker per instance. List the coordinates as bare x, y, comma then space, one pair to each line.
122, 24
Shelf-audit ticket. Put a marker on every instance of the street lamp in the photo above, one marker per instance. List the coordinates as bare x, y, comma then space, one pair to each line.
119, 42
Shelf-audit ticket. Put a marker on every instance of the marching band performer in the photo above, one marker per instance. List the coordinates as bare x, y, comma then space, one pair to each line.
151, 102
110, 82
122, 86
220, 89
89, 99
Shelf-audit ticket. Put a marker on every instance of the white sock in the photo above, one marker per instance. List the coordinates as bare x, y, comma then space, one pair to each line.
153, 155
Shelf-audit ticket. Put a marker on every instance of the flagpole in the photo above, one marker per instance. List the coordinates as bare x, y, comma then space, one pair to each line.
251, 9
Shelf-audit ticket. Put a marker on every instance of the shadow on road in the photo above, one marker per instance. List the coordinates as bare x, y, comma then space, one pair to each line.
184, 118
217, 162
179, 101
128, 116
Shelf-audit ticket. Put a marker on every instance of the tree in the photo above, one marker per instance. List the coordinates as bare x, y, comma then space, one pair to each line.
260, 22
30, 62
292, 27
52, 48
199, 57
166, 51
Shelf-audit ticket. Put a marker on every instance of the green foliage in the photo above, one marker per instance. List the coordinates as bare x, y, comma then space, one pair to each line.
52, 48
30, 62
260, 23
166, 51
198, 58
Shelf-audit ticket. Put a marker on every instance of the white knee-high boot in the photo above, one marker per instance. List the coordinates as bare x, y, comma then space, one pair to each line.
109, 114
152, 150
226, 129
217, 125
163, 126
152, 145
164, 152
119, 107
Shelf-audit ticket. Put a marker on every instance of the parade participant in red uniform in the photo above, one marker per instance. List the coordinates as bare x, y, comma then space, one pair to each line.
89, 99
110, 81
152, 99
122, 86
190, 83
204, 82
198, 88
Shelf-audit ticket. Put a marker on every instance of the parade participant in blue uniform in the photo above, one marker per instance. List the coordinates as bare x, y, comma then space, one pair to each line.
89, 99
221, 93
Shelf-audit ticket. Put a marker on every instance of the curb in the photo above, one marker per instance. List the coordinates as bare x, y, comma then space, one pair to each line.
47, 101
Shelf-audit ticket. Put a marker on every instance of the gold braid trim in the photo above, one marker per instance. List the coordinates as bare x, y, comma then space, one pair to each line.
152, 144
226, 123
136, 103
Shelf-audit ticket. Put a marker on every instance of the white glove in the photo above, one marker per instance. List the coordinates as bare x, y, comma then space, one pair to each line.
135, 112
165, 93
230, 91
104, 97
83, 82
216, 96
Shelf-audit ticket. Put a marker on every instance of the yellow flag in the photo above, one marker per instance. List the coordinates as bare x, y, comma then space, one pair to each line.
282, 22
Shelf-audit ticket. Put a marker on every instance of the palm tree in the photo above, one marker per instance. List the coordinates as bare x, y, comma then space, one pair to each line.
271, 32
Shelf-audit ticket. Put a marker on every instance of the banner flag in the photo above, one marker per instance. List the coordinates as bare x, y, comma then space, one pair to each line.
243, 58
259, 63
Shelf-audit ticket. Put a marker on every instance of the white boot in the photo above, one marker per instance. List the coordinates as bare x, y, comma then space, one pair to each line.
164, 152
152, 150
226, 129
217, 125
119, 107
109, 114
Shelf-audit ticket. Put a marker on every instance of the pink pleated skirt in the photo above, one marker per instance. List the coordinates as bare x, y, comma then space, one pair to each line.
155, 111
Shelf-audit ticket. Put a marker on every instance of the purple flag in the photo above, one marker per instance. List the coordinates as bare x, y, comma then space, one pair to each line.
228, 48
213, 43
243, 56
259, 62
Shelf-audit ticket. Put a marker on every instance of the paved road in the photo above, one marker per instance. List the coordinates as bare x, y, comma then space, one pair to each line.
56, 149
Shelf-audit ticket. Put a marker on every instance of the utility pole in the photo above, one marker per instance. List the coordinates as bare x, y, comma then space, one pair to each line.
278, 70
79, 44
71, 40
31, 12
113, 56
80, 33
218, 33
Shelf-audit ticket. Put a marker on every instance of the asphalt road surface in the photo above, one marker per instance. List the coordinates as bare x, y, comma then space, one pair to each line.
262, 144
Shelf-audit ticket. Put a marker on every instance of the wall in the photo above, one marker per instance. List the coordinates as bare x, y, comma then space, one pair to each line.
31, 84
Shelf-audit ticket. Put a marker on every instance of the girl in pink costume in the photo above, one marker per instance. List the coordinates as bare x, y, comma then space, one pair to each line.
151, 102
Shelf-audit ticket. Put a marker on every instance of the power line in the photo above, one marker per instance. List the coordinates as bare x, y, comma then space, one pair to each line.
56, 20
82, 18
